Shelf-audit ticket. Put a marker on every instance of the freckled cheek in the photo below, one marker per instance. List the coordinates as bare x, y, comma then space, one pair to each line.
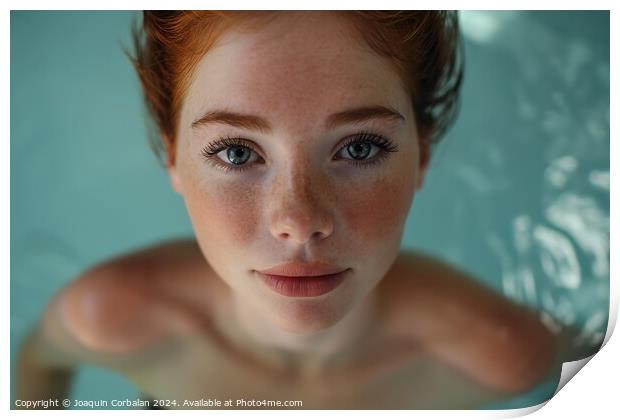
376, 214
223, 213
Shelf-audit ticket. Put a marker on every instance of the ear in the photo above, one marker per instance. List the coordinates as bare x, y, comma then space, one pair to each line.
425, 157
171, 165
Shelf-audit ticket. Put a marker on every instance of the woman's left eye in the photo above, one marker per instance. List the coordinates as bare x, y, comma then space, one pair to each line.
365, 147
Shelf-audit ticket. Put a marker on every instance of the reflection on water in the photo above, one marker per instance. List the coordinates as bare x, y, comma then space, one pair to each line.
556, 256
588, 225
518, 192
527, 167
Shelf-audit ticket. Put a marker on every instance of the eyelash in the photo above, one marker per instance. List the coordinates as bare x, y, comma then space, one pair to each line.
385, 146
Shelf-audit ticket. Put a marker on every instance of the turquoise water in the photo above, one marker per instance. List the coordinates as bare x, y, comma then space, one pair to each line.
518, 191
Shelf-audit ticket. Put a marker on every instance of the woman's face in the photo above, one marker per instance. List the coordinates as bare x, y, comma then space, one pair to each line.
295, 190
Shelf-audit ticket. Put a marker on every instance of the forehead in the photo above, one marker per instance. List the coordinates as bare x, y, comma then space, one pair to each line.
297, 65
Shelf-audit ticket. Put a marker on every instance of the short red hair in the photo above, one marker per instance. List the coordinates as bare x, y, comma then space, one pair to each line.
424, 46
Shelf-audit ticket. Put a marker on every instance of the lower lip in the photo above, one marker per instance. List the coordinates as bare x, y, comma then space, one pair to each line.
303, 286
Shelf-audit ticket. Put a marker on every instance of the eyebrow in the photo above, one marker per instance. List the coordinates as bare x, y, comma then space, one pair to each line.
256, 123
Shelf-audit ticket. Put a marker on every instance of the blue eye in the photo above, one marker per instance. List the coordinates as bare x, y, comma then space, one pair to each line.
360, 151
367, 148
238, 155
232, 153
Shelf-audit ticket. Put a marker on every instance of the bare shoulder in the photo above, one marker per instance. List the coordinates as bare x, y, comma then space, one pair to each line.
497, 342
129, 306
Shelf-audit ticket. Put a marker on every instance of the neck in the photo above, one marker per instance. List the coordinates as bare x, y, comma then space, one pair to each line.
308, 353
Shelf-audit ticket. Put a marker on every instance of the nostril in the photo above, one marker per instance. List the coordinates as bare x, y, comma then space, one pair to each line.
318, 235
301, 227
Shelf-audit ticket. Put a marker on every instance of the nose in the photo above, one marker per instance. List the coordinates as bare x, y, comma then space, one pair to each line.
299, 212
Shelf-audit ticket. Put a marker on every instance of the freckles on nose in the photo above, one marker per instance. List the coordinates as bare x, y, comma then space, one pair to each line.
298, 208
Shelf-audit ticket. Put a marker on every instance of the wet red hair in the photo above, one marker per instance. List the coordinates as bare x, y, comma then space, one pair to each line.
424, 46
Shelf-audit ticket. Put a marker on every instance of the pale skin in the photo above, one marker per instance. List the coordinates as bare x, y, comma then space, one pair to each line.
188, 319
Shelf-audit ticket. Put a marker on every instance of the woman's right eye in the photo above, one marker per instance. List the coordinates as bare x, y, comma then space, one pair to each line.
237, 155
230, 154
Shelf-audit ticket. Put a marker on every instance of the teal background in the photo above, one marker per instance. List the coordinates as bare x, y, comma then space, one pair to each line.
518, 191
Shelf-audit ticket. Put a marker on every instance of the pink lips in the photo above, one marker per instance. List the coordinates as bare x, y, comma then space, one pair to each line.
300, 279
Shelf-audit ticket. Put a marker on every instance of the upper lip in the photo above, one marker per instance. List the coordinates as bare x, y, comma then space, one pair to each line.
303, 269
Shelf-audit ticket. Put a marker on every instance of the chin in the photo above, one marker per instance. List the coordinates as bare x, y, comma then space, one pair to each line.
307, 316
